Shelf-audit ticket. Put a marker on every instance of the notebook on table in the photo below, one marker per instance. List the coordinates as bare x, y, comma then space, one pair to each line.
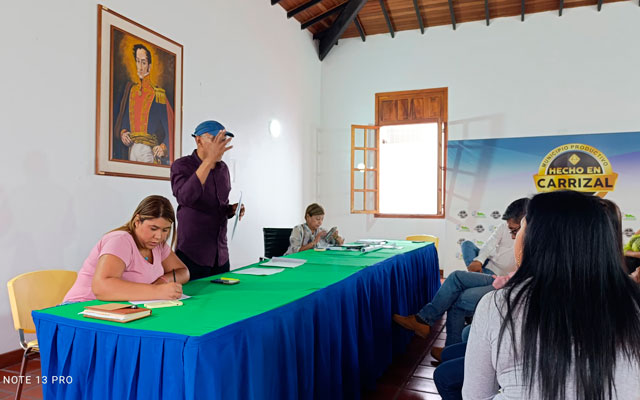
116, 312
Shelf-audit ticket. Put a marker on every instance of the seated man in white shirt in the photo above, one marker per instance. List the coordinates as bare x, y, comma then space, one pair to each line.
496, 255
461, 291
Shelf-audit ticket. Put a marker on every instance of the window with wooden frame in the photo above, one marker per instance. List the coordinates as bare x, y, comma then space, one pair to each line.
398, 166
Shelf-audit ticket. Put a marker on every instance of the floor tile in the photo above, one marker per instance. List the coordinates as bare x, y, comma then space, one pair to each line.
413, 395
421, 385
34, 393
423, 371
428, 358
6, 395
11, 385
32, 365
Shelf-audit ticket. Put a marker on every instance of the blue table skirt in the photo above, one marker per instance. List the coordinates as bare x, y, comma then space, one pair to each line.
327, 345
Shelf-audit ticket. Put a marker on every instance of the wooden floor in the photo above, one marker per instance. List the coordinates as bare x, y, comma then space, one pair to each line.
410, 376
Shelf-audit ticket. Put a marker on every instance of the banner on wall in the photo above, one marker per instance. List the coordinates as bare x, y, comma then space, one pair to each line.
484, 176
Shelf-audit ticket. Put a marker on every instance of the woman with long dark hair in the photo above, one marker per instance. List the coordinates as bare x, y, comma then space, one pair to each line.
567, 324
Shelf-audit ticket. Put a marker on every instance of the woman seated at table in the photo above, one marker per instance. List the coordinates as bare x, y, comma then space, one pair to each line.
310, 234
134, 262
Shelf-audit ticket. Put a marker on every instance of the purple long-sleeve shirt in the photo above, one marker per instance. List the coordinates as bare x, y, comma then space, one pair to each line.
203, 210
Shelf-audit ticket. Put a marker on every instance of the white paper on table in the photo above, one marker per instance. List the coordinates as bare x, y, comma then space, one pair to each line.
235, 223
138, 302
259, 271
285, 262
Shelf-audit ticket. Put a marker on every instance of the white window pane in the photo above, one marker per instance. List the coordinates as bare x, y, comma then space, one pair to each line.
358, 201
371, 159
358, 180
409, 169
358, 159
371, 138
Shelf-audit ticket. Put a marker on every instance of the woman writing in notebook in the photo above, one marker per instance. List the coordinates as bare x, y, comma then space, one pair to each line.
134, 261
310, 234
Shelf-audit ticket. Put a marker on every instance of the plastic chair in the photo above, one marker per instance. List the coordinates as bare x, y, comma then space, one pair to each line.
424, 238
276, 241
35, 291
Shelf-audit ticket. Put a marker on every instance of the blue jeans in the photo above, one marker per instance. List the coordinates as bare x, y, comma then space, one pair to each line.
469, 252
449, 376
458, 297
465, 333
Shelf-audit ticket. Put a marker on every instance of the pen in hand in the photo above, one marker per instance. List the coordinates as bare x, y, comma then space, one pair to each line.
174, 275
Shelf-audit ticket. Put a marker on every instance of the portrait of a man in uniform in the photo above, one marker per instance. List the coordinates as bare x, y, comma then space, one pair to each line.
143, 94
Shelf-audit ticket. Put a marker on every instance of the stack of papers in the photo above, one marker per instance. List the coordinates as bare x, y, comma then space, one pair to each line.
285, 262
259, 271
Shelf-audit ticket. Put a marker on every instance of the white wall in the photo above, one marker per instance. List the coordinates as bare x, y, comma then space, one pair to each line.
550, 75
244, 63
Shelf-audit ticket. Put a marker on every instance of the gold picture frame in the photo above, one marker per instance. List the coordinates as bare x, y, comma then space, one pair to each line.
138, 99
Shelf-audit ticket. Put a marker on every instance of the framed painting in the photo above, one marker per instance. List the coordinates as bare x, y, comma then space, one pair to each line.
139, 99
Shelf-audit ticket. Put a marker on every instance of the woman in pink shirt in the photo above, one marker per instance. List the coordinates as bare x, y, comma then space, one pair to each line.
134, 262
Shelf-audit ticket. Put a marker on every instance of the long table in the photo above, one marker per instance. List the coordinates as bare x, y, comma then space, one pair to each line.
320, 331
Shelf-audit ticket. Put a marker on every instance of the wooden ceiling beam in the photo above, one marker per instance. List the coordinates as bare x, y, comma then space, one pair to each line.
415, 5
453, 15
322, 16
386, 18
486, 11
302, 7
360, 29
341, 23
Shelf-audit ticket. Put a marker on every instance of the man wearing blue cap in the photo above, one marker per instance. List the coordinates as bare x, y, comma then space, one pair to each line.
201, 184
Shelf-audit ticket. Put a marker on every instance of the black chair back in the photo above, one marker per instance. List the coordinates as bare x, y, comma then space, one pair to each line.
276, 241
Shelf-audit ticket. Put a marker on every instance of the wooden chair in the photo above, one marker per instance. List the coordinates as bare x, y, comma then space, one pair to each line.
424, 238
35, 291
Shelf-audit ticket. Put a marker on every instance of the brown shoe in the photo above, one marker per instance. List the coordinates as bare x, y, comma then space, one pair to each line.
412, 324
436, 352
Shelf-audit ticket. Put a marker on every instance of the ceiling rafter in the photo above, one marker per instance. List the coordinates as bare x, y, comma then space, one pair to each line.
453, 15
419, 16
324, 15
386, 18
486, 11
330, 38
302, 8
360, 29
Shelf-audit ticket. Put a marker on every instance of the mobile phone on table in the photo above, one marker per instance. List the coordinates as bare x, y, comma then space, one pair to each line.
226, 281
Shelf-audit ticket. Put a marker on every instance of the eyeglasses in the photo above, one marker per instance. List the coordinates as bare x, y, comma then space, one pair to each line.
514, 231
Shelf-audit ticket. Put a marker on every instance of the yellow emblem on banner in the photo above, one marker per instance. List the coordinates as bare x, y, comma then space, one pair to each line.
578, 167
